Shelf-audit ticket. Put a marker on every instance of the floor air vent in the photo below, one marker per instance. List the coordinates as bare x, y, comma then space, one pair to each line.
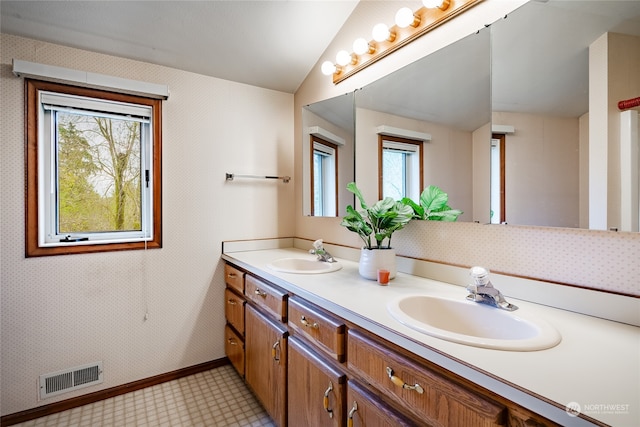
70, 379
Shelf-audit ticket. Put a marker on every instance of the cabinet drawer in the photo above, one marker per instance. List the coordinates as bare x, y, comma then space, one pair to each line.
234, 278
234, 349
326, 331
365, 409
427, 394
270, 298
234, 310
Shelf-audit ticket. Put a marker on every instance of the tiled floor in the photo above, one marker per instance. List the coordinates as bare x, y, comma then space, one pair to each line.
213, 398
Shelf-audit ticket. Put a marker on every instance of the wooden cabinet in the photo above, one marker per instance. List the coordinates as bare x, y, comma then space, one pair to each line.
367, 410
234, 314
429, 396
302, 381
316, 388
266, 362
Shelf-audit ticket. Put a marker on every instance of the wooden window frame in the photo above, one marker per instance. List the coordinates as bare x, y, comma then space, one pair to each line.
420, 144
322, 141
32, 248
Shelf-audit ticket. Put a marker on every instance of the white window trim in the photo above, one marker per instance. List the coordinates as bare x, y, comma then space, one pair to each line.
47, 221
328, 174
412, 165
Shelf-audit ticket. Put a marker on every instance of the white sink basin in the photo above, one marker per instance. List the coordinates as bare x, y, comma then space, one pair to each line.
471, 323
303, 266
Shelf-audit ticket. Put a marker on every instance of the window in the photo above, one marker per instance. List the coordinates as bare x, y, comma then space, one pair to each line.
324, 177
498, 214
93, 170
401, 169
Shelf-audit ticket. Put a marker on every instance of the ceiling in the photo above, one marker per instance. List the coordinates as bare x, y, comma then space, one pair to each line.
267, 43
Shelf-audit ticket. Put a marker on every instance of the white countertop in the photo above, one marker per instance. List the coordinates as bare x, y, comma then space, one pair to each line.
597, 363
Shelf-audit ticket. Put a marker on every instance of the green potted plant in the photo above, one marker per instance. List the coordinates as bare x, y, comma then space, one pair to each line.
433, 206
374, 225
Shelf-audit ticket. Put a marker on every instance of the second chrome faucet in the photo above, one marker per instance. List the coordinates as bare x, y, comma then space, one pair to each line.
482, 291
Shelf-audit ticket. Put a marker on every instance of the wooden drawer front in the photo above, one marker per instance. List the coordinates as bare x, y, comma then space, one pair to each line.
234, 349
272, 299
366, 410
441, 401
234, 310
234, 278
325, 331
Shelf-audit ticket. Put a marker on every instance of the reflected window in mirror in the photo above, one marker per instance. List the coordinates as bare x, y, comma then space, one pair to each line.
400, 167
498, 211
324, 179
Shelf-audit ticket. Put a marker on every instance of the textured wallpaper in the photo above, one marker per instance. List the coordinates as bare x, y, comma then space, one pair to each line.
593, 259
64, 311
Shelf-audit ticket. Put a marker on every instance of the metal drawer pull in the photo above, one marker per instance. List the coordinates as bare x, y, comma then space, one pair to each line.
397, 381
260, 293
231, 301
325, 401
231, 275
306, 323
274, 351
352, 412
232, 341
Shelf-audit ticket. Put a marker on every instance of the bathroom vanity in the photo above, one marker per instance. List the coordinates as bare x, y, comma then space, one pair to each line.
323, 349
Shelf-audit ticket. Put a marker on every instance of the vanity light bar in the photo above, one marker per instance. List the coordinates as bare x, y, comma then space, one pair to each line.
87, 79
326, 135
425, 20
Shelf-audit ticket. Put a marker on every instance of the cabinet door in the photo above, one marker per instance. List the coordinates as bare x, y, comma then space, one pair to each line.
366, 410
266, 362
316, 389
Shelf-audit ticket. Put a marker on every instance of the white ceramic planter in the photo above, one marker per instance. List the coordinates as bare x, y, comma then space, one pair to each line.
372, 260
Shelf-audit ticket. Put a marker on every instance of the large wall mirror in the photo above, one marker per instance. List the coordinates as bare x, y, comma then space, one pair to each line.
328, 156
443, 100
520, 130
541, 100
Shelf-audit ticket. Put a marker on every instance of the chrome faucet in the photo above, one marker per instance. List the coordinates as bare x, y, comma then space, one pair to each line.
482, 291
319, 251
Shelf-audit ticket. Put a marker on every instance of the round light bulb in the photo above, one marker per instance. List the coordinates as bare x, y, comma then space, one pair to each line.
360, 46
380, 32
431, 4
404, 17
328, 68
343, 58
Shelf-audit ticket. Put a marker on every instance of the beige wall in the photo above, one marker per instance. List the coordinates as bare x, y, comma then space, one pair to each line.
598, 260
64, 311
542, 169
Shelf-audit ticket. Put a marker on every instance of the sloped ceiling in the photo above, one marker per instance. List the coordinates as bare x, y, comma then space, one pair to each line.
270, 44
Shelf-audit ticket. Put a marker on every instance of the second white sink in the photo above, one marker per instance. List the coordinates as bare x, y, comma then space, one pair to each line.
303, 266
471, 323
